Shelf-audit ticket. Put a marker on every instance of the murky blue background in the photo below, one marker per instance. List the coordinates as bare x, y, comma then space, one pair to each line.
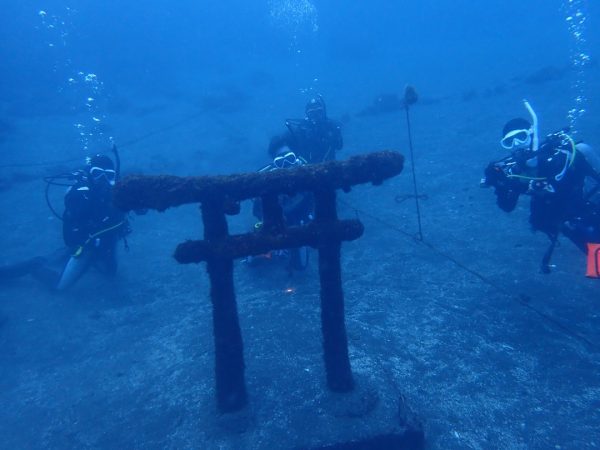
194, 88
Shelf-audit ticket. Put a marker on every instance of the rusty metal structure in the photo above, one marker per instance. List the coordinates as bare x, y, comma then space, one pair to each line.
219, 196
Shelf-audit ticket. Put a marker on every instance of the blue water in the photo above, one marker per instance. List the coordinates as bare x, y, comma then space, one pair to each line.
198, 88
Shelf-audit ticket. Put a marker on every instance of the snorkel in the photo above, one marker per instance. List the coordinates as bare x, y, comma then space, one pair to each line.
565, 138
534, 121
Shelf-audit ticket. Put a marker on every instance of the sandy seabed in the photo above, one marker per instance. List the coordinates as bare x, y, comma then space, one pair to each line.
488, 352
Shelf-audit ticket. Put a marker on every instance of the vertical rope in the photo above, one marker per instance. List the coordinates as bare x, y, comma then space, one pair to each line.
414, 176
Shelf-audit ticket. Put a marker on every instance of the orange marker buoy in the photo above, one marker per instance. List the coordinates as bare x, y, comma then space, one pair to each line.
593, 261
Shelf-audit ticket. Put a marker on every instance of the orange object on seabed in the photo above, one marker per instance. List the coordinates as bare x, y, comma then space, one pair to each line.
593, 261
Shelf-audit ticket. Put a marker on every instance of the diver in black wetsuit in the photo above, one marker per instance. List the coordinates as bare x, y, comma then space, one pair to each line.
92, 227
316, 138
558, 177
297, 209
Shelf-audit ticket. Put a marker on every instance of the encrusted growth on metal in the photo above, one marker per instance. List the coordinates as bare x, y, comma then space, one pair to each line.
219, 196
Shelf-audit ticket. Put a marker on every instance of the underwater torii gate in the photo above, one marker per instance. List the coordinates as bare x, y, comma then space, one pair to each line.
220, 196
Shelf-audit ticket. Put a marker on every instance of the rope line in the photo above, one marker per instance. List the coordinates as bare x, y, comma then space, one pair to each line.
418, 238
522, 300
414, 176
129, 143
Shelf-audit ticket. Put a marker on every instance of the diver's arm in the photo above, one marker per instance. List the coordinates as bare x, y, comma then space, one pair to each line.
338, 142
298, 208
507, 189
75, 223
507, 199
81, 219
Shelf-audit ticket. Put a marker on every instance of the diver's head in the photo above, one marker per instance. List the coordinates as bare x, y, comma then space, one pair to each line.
517, 134
315, 110
286, 158
101, 171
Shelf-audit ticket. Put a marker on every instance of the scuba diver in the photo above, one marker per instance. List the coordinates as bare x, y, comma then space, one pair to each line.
557, 174
92, 226
297, 210
316, 138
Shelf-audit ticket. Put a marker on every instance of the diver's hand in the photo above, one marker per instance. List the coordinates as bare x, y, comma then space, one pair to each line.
494, 176
540, 187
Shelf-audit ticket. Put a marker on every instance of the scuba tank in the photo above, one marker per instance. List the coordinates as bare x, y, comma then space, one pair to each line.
592, 156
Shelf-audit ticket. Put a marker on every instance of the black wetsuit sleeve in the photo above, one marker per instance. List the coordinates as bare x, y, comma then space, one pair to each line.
338, 140
507, 189
297, 208
507, 199
88, 213
75, 224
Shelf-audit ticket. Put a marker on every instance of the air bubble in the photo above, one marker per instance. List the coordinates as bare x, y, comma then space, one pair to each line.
294, 16
575, 17
83, 88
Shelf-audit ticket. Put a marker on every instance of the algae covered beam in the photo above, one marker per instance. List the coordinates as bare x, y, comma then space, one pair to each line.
333, 327
229, 348
165, 191
312, 234
220, 196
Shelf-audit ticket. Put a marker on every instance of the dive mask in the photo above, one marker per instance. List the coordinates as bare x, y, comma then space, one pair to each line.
288, 159
517, 139
96, 173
